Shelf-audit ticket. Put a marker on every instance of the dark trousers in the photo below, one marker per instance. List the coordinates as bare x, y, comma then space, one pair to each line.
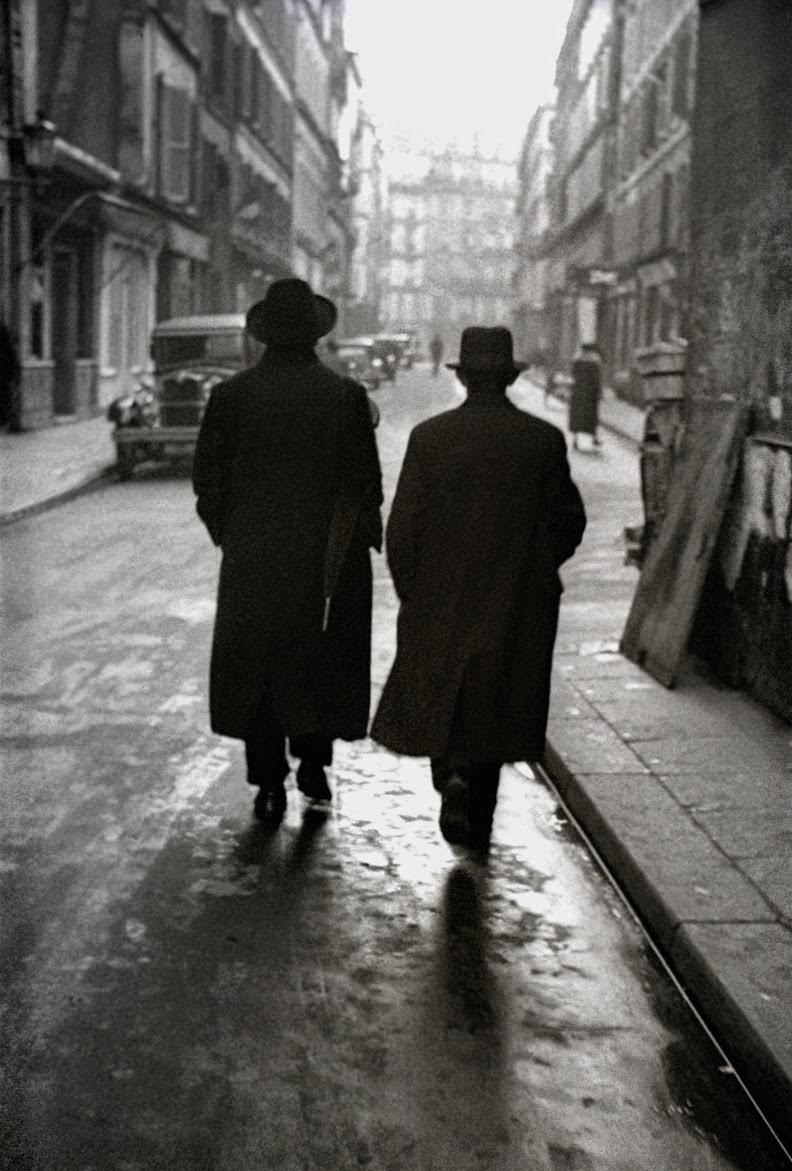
266, 755
267, 763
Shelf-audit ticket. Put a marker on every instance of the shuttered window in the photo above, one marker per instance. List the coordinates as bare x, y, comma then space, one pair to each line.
175, 141
681, 79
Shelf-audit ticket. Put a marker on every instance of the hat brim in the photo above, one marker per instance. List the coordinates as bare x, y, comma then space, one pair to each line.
514, 368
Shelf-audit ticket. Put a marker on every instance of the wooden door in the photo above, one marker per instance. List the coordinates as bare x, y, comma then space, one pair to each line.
64, 330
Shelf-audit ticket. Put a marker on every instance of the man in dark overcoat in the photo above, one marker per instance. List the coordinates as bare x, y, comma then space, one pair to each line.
484, 514
288, 483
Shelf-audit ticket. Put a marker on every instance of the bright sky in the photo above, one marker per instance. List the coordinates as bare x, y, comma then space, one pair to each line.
445, 69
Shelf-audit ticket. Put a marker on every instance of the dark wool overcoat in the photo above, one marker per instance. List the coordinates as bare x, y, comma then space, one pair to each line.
485, 512
585, 395
279, 445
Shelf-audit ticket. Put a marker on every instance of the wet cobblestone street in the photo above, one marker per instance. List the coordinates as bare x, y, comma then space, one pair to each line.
184, 989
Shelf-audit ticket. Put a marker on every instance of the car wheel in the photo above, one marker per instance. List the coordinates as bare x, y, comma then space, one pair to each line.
126, 463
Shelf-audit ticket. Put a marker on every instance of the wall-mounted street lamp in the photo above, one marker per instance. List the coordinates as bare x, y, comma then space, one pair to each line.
39, 146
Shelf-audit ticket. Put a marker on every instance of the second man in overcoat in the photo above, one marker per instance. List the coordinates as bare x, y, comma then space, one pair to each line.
485, 513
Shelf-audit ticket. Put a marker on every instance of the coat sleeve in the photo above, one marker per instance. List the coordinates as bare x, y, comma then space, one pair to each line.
566, 514
361, 471
402, 536
209, 470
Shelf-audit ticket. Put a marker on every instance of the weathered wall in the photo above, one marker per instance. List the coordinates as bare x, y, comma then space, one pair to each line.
740, 326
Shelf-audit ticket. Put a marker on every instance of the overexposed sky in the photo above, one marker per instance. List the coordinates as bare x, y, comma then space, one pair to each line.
445, 69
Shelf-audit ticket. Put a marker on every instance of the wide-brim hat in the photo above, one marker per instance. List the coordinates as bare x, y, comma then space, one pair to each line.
291, 314
484, 349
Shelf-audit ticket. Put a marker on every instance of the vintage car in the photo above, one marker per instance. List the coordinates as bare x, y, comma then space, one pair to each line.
357, 358
403, 345
190, 355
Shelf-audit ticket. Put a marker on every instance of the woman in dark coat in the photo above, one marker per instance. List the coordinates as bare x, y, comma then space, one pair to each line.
484, 514
585, 395
285, 449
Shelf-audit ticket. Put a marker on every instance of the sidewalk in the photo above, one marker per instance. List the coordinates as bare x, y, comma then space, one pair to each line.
41, 468
686, 794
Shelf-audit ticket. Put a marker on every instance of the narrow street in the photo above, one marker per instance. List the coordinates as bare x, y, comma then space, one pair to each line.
183, 990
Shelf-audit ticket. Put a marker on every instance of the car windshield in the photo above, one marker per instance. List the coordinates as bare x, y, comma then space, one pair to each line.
357, 352
200, 347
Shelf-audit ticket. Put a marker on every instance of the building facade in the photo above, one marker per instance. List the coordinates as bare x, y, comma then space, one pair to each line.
320, 214
362, 161
740, 326
450, 243
534, 214
649, 194
584, 136
193, 161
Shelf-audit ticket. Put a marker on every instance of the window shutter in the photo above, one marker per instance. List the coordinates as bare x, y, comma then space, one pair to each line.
194, 160
682, 50
218, 55
245, 80
176, 133
238, 78
254, 75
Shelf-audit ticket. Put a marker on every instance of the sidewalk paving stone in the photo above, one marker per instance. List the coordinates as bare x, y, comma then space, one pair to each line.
754, 832
590, 746
732, 790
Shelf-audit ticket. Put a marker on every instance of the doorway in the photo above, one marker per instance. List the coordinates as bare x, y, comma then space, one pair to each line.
64, 330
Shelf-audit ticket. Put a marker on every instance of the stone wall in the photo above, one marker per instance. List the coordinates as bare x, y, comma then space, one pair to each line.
740, 327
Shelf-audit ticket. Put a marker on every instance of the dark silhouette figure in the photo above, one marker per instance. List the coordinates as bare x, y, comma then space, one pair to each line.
288, 484
484, 514
585, 395
436, 353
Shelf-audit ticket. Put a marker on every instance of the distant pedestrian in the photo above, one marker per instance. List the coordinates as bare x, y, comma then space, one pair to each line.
484, 514
436, 353
288, 483
9, 377
585, 393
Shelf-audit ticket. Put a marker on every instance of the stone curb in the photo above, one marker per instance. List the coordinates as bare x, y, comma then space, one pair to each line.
90, 484
758, 1063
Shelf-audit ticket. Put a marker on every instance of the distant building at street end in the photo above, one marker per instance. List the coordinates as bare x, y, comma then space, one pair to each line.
533, 214
450, 254
649, 192
740, 327
584, 139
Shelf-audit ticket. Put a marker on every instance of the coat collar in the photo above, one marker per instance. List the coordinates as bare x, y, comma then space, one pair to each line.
487, 401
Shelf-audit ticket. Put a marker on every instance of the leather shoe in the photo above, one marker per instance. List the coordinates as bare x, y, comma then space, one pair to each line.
270, 804
312, 782
454, 821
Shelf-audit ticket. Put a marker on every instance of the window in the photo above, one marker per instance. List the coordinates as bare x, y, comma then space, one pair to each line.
666, 196
239, 57
175, 136
649, 116
254, 96
681, 78
217, 55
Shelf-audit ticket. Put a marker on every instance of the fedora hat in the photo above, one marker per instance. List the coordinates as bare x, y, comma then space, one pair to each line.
486, 349
291, 315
